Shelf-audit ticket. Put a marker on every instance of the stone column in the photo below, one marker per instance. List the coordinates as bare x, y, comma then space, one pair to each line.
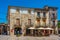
23, 26
38, 32
12, 32
23, 30
52, 31
49, 32
56, 30
43, 32
31, 32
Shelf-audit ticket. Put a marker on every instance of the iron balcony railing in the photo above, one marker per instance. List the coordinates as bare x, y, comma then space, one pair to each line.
53, 18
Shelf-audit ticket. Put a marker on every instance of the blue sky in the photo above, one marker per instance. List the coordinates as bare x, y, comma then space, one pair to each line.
26, 3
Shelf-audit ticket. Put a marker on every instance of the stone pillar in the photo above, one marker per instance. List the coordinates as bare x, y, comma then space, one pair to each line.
43, 32
31, 32
12, 32
38, 32
56, 30
23, 26
23, 30
52, 31
49, 32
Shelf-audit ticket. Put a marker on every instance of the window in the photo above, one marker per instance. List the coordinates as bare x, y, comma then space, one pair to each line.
54, 23
18, 21
38, 14
29, 11
29, 21
23, 11
53, 15
12, 10
44, 14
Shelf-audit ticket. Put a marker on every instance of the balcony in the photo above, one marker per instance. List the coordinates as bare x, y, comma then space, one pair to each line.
53, 18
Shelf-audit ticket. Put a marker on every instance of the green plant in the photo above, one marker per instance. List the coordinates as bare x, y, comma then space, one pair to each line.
58, 24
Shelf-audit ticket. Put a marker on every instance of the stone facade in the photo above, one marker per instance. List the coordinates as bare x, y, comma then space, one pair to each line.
39, 18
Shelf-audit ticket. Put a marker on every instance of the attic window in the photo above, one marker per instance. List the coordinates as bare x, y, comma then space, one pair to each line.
18, 21
29, 11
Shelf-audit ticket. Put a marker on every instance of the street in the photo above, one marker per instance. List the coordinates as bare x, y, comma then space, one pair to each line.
52, 37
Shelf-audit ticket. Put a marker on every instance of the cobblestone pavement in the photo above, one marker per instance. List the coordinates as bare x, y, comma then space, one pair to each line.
52, 37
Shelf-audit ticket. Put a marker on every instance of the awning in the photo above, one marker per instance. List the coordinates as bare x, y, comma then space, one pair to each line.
49, 28
31, 28
45, 28
41, 28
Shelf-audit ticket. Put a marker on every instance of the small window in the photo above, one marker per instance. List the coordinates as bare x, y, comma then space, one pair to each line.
38, 14
53, 14
29, 21
29, 11
44, 14
53, 22
18, 21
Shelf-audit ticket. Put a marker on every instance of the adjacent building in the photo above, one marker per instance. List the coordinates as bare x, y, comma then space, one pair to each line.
4, 29
58, 26
32, 21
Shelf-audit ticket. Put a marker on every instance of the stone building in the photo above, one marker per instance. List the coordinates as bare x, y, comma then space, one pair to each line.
4, 28
32, 21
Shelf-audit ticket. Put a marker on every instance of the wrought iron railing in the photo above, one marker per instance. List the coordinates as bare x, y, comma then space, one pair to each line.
53, 18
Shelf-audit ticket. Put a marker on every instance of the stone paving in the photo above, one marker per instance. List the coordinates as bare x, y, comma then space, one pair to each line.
52, 37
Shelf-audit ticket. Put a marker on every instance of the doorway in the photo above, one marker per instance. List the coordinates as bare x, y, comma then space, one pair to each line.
17, 31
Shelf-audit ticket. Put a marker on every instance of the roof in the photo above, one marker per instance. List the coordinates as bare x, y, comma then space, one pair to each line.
52, 7
33, 8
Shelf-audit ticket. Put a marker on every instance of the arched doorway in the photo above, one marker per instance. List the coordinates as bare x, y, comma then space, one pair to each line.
17, 31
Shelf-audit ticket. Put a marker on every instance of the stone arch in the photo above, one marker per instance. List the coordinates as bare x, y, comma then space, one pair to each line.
17, 30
